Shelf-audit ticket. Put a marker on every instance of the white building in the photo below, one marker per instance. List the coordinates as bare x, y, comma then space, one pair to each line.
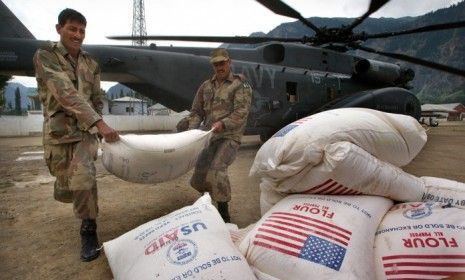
128, 106
158, 110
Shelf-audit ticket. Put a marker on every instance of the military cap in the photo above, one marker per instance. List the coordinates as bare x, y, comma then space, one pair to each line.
218, 55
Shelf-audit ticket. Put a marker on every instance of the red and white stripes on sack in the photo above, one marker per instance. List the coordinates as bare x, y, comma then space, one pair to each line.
420, 241
316, 237
299, 235
333, 187
347, 169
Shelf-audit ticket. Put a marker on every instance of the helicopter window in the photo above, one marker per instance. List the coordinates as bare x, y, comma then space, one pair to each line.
291, 92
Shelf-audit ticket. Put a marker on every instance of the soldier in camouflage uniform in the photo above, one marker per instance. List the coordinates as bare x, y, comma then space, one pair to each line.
69, 87
222, 103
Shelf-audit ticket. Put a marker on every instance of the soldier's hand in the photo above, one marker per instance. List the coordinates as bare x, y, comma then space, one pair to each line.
218, 126
183, 125
108, 133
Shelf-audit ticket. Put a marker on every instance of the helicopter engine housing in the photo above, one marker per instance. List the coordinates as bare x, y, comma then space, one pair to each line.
391, 100
372, 71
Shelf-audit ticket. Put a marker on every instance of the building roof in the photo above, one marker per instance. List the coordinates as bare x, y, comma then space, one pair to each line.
451, 106
129, 99
436, 108
157, 106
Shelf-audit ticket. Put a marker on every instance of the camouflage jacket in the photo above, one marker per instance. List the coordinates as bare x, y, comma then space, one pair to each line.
69, 90
229, 103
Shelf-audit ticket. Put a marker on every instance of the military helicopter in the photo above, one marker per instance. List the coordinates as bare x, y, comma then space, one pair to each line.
291, 77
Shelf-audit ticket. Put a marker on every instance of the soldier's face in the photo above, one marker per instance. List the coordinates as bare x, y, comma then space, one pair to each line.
222, 69
72, 35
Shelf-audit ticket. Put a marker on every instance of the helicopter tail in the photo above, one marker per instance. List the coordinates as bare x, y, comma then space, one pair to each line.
11, 26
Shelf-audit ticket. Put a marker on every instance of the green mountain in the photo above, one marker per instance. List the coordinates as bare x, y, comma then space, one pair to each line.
445, 47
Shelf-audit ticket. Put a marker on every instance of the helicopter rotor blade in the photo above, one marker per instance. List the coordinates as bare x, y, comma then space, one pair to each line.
411, 59
428, 28
281, 8
211, 39
374, 6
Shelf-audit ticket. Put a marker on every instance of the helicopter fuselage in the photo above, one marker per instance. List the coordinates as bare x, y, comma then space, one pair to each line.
289, 80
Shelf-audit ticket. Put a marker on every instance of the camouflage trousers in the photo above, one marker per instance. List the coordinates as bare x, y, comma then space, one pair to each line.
211, 174
72, 164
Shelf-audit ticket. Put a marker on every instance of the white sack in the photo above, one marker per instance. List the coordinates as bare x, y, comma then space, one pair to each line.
238, 234
444, 191
393, 138
154, 158
268, 195
316, 237
263, 276
420, 241
347, 169
190, 243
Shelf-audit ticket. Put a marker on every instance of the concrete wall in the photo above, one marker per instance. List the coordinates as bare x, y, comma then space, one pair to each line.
32, 124
21, 125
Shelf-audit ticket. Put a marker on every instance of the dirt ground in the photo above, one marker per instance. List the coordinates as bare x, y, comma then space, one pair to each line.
39, 237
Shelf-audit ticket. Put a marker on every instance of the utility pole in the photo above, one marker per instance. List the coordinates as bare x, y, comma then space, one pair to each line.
138, 23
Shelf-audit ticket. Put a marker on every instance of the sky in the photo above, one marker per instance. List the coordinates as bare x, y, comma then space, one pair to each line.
192, 17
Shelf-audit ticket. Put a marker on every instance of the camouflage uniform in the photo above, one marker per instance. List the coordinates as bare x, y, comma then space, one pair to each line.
69, 90
228, 103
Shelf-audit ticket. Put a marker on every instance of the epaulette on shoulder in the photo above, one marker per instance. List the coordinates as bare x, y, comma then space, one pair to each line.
47, 46
241, 77
89, 56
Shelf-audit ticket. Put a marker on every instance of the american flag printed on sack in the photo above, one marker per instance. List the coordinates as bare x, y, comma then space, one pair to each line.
423, 266
304, 237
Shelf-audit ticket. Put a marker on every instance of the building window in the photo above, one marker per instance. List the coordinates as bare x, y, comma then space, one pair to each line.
129, 109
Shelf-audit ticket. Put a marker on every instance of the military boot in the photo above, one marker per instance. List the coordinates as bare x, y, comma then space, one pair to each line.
89, 240
224, 212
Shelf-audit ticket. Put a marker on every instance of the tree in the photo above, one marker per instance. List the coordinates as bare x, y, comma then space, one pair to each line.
3, 80
17, 101
2, 100
121, 94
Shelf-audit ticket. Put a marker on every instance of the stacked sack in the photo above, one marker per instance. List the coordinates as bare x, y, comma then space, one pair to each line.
316, 237
324, 164
348, 151
420, 241
444, 191
392, 138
